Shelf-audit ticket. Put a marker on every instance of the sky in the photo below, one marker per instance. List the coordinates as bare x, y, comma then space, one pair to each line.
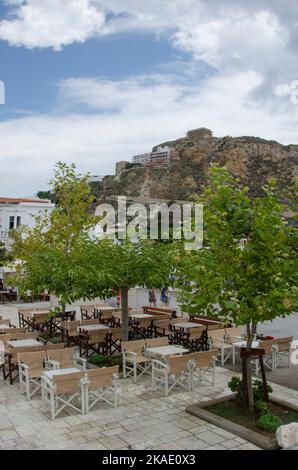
97, 81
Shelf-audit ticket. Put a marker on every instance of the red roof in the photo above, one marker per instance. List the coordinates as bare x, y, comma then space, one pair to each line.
17, 200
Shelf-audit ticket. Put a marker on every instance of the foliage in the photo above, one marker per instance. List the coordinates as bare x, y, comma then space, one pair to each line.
261, 407
5, 256
50, 253
269, 422
101, 361
243, 284
236, 386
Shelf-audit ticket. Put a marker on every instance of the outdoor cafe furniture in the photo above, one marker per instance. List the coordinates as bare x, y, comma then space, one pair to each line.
194, 338
204, 363
141, 325
162, 328
160, 313
156, 342
135, 363
93, 342
63, 388
63, 358
31, 367
283, 350
114, 340
12, 345
177, 371
164, 352
101, 385
69, 332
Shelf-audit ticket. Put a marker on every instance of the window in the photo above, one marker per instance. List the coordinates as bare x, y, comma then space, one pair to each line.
18, 220
11, 222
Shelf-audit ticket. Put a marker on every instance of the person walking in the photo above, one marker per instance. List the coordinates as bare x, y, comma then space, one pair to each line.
164, 296
152, 298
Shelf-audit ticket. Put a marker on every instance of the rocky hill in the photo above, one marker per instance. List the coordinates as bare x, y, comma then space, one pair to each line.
251, 159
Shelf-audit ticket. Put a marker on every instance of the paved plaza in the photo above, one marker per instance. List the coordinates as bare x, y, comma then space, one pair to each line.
145, 419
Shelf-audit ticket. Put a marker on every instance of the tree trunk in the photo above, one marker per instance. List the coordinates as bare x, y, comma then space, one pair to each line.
124, 307
251, 330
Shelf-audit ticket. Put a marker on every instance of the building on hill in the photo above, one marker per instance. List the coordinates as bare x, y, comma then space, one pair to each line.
199, 134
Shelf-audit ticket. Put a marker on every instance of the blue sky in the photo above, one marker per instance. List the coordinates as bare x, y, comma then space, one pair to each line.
96, 81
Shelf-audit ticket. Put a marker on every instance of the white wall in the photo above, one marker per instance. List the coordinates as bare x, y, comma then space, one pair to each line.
26, 211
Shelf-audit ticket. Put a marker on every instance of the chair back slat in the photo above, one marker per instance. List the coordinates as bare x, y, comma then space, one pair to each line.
101, 377
34, 361
63, 356
116, 333
196, 333
68, 383
178, 364
156, 342
284, 344
134, 346
202, 358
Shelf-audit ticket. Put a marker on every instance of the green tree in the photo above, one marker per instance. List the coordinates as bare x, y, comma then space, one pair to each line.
50, 252
125, 265
245, 283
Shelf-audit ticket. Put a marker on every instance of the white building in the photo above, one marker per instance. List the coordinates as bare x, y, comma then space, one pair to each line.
15, 212
142, 158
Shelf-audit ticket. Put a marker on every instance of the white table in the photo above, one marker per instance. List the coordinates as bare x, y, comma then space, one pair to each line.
165, 351
242, 344
69, 370
106, 309
95, 327
24, 343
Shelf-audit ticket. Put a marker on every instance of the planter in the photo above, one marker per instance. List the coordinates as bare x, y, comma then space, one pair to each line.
267, 443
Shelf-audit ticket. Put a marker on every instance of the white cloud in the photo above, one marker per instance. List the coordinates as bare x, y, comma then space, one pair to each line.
95, 142
48, 23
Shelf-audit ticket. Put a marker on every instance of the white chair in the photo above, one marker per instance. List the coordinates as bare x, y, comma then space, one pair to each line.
30, 371
64, 391
204, 365
101, 385
134, 360
177, 372
63, 358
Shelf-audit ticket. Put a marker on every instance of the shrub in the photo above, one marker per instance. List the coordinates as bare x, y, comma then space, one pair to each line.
236, 386
262, 407
269, 422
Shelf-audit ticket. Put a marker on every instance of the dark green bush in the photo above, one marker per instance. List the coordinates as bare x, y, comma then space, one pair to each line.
269, 422
262, 407
236, 386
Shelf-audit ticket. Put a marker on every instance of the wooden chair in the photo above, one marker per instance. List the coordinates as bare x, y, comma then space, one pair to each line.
64, 391
141, 328
114, 340
69, 330
162, 328
195, 340
93, 342
269, 359
204, 365
88, 312
63, 358
177, 372
100, 384
155, 342
134, 360
218, 340
3, 331
31, 367
283, 350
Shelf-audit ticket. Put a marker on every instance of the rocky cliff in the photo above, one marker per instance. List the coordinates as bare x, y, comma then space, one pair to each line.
251, 159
